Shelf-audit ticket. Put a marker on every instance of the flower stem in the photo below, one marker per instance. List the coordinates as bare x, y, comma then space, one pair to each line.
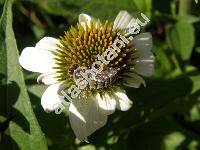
184, 7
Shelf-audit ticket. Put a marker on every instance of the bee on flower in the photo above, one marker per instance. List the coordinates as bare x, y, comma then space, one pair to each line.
93, 61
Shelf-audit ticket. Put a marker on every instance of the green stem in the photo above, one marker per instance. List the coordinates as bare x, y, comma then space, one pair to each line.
184, 7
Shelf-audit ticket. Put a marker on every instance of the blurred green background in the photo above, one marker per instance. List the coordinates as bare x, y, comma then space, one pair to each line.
165, 114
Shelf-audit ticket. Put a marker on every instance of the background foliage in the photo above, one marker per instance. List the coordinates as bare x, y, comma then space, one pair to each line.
165, 115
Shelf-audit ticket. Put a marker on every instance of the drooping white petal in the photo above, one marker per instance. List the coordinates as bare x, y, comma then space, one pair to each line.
106, 103
84, 18
143, 58
131, 79
96, 119
123, 102
37, 60
143, 42
48, 79
48, 43
144, 68
123, 20
85, 117
51, 98
77, 122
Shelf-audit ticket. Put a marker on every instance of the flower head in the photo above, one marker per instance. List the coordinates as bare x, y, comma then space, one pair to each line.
96, 58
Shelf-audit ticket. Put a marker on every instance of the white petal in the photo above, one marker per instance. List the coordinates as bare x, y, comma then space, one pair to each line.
106, 103
85, 117
122, 20
36, 60
51, 99
84, 18
131, 79
48, 43
123, 102
96, 119
132, 23
142, 42
143, 58
48, 79
77, 122
144, 68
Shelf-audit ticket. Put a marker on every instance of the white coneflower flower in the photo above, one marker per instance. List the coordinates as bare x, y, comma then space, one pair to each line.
58, 60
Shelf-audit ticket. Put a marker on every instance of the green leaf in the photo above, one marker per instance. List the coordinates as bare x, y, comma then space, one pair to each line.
195, 113
197, 49
98, 9
150, 103
143, 6
24, 129
87, 147
189, 18
181, 38
161, 134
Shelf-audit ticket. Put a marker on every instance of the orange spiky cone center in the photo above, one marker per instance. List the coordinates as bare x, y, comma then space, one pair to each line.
80, 47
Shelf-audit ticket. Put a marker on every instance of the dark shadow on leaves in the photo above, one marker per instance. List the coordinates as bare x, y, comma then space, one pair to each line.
55, 127
30, 81
7, 143
8, 97
148, 101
